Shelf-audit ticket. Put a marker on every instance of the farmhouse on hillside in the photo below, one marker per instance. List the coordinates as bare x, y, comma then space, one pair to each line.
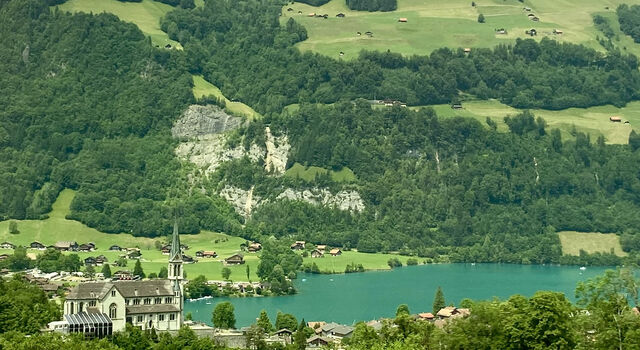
316, 253
115, 247
402, 20
66, 246
37, 245
235, 259
7, 245
97, 309
615, 119
298, 245
254, 247
335, 252
340, 15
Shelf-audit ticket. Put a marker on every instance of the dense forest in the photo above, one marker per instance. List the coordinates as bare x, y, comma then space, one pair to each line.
242, 48
629, 19
601, 318
372, 5
88, 104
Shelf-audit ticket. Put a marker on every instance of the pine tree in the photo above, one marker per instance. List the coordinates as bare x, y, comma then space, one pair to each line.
91, 271
634, 140
264, 322
300, 337
438, 301
137, 270
106, 271
164, 273
481, 18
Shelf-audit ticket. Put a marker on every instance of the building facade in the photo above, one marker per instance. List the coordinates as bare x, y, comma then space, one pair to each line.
153, 304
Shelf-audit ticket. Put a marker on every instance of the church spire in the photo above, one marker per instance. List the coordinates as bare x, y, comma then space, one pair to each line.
176, 252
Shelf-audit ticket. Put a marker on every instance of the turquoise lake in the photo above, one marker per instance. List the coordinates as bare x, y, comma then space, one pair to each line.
370, 295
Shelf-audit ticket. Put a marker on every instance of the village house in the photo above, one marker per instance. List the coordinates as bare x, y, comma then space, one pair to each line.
557, 31
425, 316
165, 250
335, 252
318, 342
4, 257
298, 245
7, 245
115, 247
122, 275
90, 261
206, 254
340, 15
285, 335
66, 246
37, 245
321, 247
402, 20
87, 247
188, 259
101, 308
338, 331
452, 311
254, 247
316, 253
615, 119
316, 326
235, 259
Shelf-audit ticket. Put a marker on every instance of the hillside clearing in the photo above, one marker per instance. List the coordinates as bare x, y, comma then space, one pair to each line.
146, 15
435, 24
201, 88
572, 242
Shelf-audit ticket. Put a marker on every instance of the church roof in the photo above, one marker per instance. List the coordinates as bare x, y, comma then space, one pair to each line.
90, 290
128, 289
152, 288
146, 309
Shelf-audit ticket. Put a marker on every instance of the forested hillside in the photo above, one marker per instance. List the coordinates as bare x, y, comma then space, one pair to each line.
88, 104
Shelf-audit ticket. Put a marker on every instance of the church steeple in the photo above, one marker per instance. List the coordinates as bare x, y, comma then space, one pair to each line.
175, 257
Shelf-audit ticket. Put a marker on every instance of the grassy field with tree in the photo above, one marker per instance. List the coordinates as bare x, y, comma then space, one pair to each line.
145, 14
591, 242
434, 24
202, 88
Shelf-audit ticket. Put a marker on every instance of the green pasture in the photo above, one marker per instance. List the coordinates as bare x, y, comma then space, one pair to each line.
593, 120
58, 228
377, 261
572, 242
433, 24
201, 88
146, 15
309, 173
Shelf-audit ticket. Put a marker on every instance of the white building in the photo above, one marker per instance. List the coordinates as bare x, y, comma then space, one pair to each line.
156, 304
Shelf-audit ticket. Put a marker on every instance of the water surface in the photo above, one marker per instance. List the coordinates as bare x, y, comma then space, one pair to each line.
371, 295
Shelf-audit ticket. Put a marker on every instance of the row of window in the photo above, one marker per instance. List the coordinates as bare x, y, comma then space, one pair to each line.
161, 317
148, 301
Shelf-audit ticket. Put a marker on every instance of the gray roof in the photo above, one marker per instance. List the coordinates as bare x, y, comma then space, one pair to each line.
151, 288
153, 308
342, 330
90, 290
329, 326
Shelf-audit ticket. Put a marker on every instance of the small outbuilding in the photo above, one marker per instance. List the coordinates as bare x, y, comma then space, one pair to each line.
340, 15
615, 119
557, 31
402, 20
7, 245
335, 252
317, 253
37, 245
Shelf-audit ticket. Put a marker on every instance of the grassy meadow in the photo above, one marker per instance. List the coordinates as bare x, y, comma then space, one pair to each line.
432, 24
593, 120
338, 264
146, 15
201, 88
572, 242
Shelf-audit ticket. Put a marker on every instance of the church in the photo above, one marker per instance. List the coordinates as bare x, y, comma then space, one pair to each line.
101, 308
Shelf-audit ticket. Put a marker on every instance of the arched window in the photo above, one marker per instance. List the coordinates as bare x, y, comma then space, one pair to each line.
113, 311
71, 308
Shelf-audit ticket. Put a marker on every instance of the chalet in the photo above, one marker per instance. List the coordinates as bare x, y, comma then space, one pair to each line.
317, 253
206, 254
368, 33
316, 326
612, 118
501, 31
298, 245
285, 335
557, 31
235, 259
289, 9
101, 259
85, 248
451, 312
358, 33
456, 106
531, 15
425, 316
188, 259
531, 32
168, 46
335, 252
340, 15
467, 50
37, 245
334, 330
166, 249
66, 246
535, 19
49, 288
4, 257
341, 53
7, 245
528, 9
254, 247
133, 254
402, 20
90, 261
122, 275
318, 342
312, 14
299, 12
115, 247
321, 247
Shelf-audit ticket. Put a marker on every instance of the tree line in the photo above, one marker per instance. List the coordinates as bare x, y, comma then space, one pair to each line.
629, 19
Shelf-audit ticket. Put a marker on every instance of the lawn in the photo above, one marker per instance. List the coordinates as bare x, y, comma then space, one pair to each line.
201, 88
146, 15
572, 242
57, 228
593, 120
432, 24
309, 173
377, 261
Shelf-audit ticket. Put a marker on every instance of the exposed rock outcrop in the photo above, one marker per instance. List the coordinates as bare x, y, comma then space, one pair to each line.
243, 201
200, 120
277, 152
209, 151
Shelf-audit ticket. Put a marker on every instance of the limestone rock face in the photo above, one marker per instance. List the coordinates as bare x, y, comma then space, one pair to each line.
203, 120
243, 201
277, 152
343, 200
209, 151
